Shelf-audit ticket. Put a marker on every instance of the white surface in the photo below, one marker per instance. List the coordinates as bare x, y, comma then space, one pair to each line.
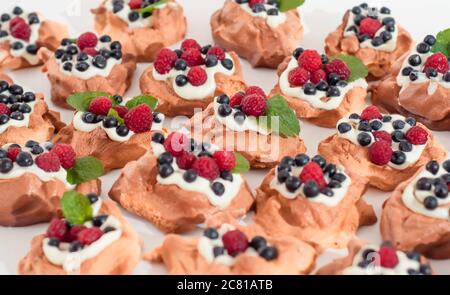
319, 16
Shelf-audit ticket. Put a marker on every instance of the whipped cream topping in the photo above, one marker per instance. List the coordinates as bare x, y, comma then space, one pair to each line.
267, 11
71, 261
19, 47
189, 91
354, 133
427, 194
319, 99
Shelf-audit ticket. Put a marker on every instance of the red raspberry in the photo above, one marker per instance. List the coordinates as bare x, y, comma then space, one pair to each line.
20, 29
235, 242
255, 90
312, 171
165, 60
371, 113
176, 143
4, 110
254, 2
139, 119
66, 154
193, 57
337, 66
49, 162
225, 160
318, 76
89, 235
13, 152
380, 152
437, 61
87, 40
190, 43
197, 76
254, 105
218, 52
100, 105
15, 21
388, 257
382, 136
417, 135
91, 51
57, 229
369, 26
236, 99
72, 235
206, 167
298, 76
135, 4
185, 160
121, 110
310, 60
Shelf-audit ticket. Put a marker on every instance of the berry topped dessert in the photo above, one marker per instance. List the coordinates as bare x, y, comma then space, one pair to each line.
196, 179
22, 34
419, 84
273, 26
87, 63
143, 26
385, 149
188, 78
386, 259
24, 115
371, 34
234, 250
92, 238
33, 176
424, 201
322, 89
261, 129
105, 124
315, 201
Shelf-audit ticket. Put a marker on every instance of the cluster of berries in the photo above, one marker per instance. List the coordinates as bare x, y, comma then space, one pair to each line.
438, 186
134, 5
14, 102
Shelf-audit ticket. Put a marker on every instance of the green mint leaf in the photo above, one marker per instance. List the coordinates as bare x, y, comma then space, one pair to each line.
76, 208
151, 7
242, 165
442, 43
285, 5
149, 100
85, 169
288, 124
115, 114
356, 66
80, 101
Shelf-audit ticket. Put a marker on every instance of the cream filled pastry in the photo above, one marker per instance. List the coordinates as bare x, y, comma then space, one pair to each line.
369, 259
92, 238
315, 201
195, 179
417, 215
385, 149
234, 249
24, 115
262, 129
322, 89
188, 78
34, 177
143, 26
104, 125
22, 34
88, 63
274, 29
419, 84
371, 34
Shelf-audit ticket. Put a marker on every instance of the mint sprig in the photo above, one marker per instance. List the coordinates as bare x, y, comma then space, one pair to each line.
149, 100
151, 7
356, 66
242, 165
85, 169
76, 208
278, 109
81, 100
285, 5
442, 43
115, 114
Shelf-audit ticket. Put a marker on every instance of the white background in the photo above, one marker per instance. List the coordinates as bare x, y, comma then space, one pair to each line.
319, 17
